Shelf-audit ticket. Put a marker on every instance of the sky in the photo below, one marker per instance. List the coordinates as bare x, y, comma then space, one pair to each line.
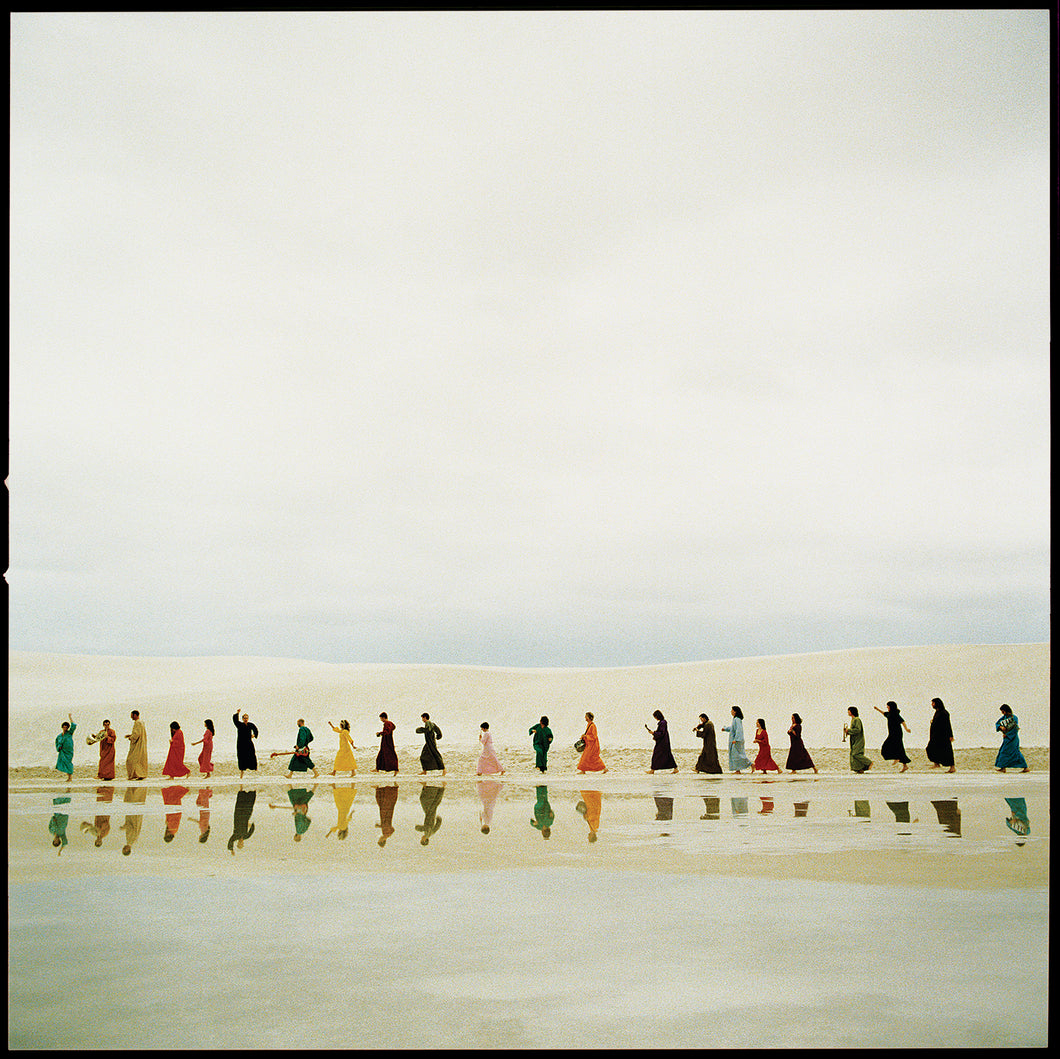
528, 339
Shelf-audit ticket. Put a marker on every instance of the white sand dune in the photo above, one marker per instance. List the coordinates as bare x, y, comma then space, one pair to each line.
972, 680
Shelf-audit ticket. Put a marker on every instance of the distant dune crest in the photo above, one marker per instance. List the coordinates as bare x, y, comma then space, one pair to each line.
972, 679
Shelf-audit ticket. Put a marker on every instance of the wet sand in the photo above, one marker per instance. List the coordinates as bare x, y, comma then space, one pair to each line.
835, 910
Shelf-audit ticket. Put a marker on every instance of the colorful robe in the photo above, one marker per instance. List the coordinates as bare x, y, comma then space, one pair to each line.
590, 761
542, 740
738, 759
856, 730
301, 762
136, 761
488, 762
386, 760
106, 754
174, 765
1009, 756
64, 744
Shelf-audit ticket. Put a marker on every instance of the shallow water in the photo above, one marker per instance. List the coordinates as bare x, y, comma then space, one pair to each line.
705, 913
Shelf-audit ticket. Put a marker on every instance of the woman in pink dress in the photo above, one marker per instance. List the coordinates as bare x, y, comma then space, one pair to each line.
488, 762
590, 761
206, 754
764, 762
174, 766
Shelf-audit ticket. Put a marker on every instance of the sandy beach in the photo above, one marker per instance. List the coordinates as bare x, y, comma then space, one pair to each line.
524, 910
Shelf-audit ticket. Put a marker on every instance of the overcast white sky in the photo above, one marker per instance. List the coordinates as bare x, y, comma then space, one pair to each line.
556, 339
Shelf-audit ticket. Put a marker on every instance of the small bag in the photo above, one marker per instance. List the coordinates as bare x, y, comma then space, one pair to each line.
580, 745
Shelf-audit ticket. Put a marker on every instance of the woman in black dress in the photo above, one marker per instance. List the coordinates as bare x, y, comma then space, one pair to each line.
798, 755
893, 749
940, 738
662, 756
430, 759
708, 756
246, 733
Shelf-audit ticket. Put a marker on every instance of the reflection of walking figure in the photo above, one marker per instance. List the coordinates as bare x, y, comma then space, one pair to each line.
202, 800
133, 823
343, 808
242, 828
246, 733
543, 814
662, 756
738, 759
940, 737
430, 758
764, 761
299, 797
856, 731
711, 807
949, 815
57, 826
488, 791
430, 800
1009, 756
542, 740
901, 812
589, 807
173, 796
386, 799
100, 827
893, 748
64, 745
1019, 822
300, 759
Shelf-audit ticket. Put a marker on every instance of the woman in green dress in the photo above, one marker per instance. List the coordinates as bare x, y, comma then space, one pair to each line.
542, 740
64, 747
856, 731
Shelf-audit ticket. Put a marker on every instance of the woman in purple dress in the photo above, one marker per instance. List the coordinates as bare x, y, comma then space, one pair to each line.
798, 755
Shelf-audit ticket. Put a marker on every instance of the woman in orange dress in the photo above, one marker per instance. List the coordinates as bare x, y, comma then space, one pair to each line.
590, 760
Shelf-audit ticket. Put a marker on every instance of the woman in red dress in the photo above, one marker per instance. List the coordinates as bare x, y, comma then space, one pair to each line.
206, 754
106, 737
764, 762
174, 766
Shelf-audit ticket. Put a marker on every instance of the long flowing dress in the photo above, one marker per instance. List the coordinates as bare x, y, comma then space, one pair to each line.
136, 762
299, 798
488, 762
386, 799
893, 748
206, 754
430, 758
542, 740
798, 755
246, 733
488, 791
708, 756
64, 745
174, 765
106, 754
589, 807
344, 759
764, 760
343, 809
590, 761
738, 759
1009, 756
387, 760
662, 756
858, 761
940, 748
301, 762
172, 797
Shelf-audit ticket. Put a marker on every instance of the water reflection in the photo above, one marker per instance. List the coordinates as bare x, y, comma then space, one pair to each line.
688, 825
487, 792
430, 800
590, 807
386, 800
543, 815
242, 828
949, 816
1018, 821
343, 810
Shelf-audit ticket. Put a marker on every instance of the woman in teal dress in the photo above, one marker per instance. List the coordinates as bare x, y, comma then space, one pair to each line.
738, 758
64, 745
1009, 756
542, 740
854, 728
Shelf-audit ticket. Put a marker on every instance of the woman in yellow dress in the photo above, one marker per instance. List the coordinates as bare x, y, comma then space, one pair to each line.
344, 759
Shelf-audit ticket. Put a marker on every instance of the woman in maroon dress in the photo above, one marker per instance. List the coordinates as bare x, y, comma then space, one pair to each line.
386, 760
798, 755
764, 762
106, 738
